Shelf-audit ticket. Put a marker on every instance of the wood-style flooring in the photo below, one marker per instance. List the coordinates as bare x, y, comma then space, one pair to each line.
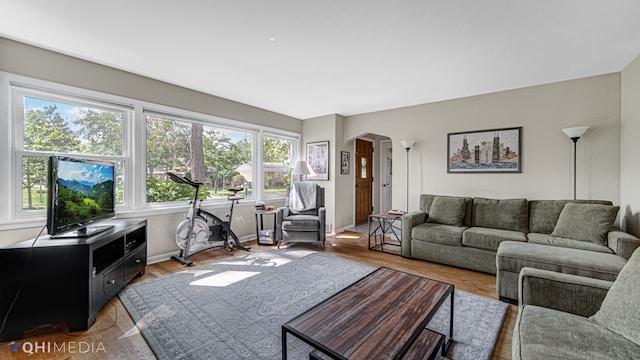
115, 336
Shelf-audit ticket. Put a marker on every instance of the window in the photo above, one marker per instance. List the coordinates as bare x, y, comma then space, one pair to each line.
277, 158
53, 124
48, 118
217, 156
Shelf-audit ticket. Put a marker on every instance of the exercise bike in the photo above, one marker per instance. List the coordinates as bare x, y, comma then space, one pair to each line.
202, 230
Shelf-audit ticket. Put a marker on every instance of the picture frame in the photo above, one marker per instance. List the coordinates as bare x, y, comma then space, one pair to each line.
485, 151
345, 162
318, 160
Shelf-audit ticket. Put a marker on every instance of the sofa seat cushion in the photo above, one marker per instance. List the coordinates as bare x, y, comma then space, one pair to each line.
489, 239
620, 310
505, 214
586, 222
544, 239
438, 233
513, 256
542, 333
301, 223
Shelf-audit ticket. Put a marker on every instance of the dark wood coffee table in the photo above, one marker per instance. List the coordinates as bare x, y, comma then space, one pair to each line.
379, 317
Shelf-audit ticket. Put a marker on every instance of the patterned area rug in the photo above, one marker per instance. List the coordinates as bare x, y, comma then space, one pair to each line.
234, 309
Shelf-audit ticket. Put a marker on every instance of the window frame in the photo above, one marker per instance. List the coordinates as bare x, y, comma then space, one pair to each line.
295, 145
18, 92
255, 134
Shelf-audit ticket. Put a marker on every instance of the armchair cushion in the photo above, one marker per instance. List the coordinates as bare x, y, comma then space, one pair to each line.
586, 222
447, 210
301, 223
620, 310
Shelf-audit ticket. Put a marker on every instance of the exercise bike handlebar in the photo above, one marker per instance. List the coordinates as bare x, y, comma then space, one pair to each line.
183, 180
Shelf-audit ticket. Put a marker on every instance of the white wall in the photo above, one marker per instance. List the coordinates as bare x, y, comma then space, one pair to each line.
21, 59
323, 128
344, 183
546, 152
630, 165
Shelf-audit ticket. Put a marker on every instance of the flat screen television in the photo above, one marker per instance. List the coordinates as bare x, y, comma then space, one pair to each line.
81, 192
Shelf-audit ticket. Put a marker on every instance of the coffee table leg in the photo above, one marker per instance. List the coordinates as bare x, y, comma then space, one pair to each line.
284, 344
446, 344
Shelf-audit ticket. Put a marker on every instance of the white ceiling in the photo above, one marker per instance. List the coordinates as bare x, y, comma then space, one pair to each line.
307, 58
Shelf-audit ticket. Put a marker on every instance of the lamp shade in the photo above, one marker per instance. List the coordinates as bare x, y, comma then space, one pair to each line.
300, 168
575, 132
407, 144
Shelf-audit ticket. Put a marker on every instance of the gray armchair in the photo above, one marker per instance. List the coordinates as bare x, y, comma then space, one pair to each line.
565, 316
301, 225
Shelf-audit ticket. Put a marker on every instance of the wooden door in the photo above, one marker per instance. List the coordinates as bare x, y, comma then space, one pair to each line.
364, 180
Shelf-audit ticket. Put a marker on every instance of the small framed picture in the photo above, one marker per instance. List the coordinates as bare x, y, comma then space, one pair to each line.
345, 162
318, 160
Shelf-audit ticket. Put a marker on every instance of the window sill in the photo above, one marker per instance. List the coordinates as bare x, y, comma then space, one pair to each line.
150, 210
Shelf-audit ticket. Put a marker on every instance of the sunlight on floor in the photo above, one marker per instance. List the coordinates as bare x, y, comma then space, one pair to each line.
347, 236
225, 278
160, 312
268, 258
195, 272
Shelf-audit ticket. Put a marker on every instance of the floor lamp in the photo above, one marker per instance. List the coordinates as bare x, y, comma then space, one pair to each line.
407, 144
574, 134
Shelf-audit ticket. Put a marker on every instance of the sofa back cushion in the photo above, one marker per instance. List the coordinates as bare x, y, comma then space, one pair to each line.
505, 214
426, 202
543, 214
586, 222
447, 210
620, 310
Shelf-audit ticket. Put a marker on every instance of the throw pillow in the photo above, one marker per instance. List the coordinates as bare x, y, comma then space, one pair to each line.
447, 210
620, 310
586, 222
505, 214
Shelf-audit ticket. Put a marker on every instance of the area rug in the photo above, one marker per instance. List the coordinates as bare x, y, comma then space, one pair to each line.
234, 309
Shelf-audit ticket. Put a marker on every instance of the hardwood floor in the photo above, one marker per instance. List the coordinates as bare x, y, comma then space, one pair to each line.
115, 336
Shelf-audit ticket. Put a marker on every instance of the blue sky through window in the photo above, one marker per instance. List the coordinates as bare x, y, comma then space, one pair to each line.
67, 111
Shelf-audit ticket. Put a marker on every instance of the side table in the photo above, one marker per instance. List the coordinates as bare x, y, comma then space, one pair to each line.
385, 229
263, 240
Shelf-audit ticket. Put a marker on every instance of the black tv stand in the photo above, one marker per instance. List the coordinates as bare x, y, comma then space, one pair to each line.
67, 280
85, 231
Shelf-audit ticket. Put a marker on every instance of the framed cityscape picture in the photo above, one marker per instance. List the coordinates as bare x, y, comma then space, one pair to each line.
318, 160
486, 151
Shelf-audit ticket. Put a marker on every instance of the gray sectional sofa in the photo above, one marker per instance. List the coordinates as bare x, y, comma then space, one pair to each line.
564, 316
502, 236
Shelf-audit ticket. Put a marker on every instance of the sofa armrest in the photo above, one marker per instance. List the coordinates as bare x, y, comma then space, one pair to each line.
565, 292
410, 220
622, 243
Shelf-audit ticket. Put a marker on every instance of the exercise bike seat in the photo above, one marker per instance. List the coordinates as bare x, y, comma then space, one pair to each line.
235, 189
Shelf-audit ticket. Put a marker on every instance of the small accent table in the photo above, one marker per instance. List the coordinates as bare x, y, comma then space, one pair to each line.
381, 226
260, 227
